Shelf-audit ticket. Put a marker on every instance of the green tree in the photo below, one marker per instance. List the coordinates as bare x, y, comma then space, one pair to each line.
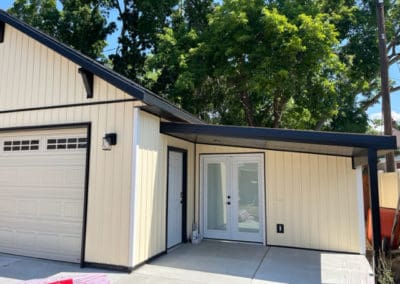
253, 65
141, 21
82, 24
168, 73
41, 14
361, 48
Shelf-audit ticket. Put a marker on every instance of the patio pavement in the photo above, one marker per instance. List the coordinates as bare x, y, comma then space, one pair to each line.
213, 262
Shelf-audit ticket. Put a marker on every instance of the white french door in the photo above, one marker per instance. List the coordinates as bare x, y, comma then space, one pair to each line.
233, 200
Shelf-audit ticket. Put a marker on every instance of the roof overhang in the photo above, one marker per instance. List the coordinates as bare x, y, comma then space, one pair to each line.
314, 142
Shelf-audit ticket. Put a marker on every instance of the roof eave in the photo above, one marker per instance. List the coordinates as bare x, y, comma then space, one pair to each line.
296, 136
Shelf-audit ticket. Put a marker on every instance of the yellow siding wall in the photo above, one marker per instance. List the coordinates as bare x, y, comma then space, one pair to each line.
389, 187
314, 196
32, 75
151, 188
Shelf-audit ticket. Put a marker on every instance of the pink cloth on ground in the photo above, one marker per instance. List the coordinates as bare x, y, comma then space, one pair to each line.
76, 279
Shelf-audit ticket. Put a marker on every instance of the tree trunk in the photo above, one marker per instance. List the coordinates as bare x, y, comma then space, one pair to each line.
319, 125
277, 113
386, 108
244, 98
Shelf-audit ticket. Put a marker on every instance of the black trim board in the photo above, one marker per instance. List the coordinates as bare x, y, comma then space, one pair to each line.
46, 126
154, 257
111, 267
2, 31
100, 70
124, 268
275, 134
254, 147
311, 249
374, 205
67, 106
86, 193
86, 125
184, 194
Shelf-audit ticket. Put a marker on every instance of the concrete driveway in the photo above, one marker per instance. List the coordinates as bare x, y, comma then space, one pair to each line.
213, 262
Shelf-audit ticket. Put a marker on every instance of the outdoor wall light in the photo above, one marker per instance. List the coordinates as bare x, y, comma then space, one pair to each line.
109, 140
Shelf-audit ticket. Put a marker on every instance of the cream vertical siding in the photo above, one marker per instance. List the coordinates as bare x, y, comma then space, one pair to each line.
32, 76
314, 196
389, 187
151, 188
110, 176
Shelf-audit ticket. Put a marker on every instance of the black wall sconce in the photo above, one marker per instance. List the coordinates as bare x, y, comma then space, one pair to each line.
109, 139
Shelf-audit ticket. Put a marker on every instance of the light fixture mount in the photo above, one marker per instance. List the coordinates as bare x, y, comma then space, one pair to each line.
109, 139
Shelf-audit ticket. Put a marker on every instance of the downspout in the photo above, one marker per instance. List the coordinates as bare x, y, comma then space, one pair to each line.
194, 224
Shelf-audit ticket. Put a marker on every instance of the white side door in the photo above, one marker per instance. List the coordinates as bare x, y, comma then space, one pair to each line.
175, 195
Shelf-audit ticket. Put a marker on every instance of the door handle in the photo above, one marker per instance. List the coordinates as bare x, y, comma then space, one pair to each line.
229, 197
229, 203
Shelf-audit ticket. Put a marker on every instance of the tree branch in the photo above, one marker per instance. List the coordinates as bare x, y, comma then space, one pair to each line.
374, 99
319, 125
394, 58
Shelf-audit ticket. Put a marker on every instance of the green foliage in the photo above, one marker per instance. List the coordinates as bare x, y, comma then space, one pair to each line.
385, 274
42, 14
141, 21
80, 23
252, 64
279, 63
84, 26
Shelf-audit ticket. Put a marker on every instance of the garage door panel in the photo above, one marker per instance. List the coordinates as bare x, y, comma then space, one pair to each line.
25, 239
8, 207
70, 245
27, 208
49, 193
53, 209
42, 226
48, 242
64, 214
7, 237
73, 210
7, 176
42, 193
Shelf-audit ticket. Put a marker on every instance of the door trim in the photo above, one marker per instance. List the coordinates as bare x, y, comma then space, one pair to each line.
184, 194
263, 192
88, 126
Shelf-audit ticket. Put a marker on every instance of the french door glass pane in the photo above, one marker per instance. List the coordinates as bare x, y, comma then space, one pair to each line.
248, 203
216, 195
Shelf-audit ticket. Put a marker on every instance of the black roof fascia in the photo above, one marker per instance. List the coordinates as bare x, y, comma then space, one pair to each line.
99, 70
274, 134
2, 28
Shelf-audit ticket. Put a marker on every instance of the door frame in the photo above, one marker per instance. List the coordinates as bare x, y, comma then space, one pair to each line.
263, 214
184, 194
88, 127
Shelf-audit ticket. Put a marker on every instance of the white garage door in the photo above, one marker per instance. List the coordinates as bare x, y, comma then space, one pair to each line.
42, 177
